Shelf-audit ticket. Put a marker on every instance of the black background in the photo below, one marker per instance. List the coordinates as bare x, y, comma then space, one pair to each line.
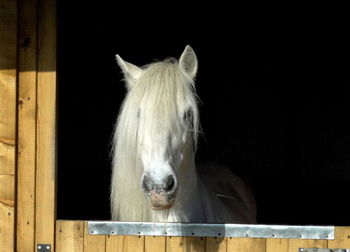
274, 107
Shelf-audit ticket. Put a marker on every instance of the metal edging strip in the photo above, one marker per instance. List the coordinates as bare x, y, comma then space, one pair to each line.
210, 230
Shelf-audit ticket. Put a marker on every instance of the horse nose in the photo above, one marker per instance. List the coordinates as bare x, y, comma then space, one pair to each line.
168, 185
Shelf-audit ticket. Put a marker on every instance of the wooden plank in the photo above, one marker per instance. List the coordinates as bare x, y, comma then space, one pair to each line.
277, 245
46, 124
194, 244
185, 244
342, 238
114, 243
216, 244
134, 244
155, 244
246, 244
295, 244
8, 87
93, 243
174, 244
70, 236
26, 149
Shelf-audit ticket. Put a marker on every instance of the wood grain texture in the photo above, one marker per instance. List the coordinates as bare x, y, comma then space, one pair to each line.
276, 245
93, 243
342, 238
215, 244
155, 244
46, 124
246, 244
26, 149
295, 244
8, 89
70, 236
114, 243
134, 244
174, 244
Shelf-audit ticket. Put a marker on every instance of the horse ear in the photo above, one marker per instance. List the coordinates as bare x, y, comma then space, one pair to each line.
130, 71
188, 62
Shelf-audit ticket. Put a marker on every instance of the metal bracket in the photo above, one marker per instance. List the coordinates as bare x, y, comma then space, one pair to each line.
43, 248
322, 250
210, 230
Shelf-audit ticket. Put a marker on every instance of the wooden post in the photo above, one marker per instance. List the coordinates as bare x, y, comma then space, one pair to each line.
26, 151
45, 207
8, 90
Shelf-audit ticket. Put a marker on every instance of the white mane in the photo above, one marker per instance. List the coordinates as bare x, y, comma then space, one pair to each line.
154, 176
165, 91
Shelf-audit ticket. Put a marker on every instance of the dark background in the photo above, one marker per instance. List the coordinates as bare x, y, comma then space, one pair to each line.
274, 107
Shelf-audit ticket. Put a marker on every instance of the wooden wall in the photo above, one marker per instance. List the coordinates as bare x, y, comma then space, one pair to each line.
27, 123
72, 236
8, 89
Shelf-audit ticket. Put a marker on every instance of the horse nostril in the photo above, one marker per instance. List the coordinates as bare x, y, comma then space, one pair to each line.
170, 184
147, 183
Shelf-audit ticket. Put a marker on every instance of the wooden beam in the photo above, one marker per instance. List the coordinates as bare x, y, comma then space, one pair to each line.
8, 90
70, 236
26, 150
46, 124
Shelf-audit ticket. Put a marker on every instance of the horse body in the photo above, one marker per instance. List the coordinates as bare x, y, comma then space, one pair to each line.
154, 175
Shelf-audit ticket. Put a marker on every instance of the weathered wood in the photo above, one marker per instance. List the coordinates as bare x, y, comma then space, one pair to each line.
277, 245
46, 123
216, 244
342, 238
26, 150
295, 244
155, 244
70, 236
8, 87
246, 244
93, 243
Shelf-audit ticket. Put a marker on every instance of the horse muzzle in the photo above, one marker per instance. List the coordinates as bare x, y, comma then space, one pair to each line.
160, 196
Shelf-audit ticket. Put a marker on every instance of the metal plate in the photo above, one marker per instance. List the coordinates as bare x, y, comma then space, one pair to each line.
322, 250
43, 248
211, 230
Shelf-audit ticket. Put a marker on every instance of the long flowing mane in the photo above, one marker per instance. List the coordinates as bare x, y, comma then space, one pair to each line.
164, 90
154, 175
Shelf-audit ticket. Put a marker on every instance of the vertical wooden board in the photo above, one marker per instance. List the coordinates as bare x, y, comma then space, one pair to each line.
194, 244
134, 244
114, 243
246, 244
93, 243
27, 63
342, 238
46, 123
174, 244
214, 244
277, 245
8, 89
295, 244
185, 244
155, 244
69, 236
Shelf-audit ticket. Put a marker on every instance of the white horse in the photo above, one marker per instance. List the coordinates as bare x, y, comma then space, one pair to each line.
154, 176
